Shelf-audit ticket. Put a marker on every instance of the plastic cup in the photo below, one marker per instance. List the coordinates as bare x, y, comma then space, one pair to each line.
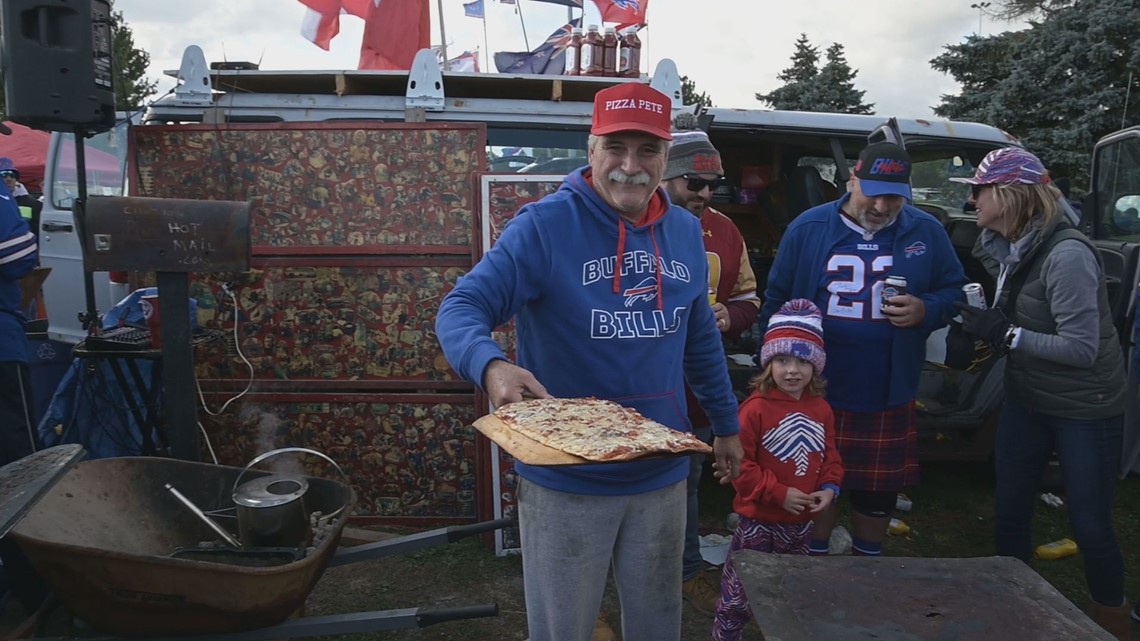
149, 306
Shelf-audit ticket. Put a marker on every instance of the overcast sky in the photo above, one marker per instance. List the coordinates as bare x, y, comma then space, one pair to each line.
731, 48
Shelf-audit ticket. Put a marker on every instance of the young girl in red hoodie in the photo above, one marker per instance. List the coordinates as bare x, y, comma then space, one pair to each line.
791, 469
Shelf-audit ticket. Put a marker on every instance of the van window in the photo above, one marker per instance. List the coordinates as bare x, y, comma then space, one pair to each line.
825, 166
931, 186
105, 157
535, 151
1118, 190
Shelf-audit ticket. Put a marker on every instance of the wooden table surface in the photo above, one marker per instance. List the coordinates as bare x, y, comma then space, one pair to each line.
847, 598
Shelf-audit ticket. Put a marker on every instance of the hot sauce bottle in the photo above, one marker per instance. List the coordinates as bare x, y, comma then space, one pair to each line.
630, 65
592, 53
574, 53
609, 52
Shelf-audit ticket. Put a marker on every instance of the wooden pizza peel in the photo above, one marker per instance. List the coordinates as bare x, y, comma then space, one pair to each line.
523, 448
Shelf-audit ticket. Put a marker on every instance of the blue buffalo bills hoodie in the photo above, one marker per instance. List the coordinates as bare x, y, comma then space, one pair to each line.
604, 308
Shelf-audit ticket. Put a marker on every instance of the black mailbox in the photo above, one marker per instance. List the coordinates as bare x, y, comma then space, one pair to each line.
166, 235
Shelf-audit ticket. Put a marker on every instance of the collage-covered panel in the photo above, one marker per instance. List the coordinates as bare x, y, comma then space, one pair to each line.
330, 188
502, 197
407, 455
369, 321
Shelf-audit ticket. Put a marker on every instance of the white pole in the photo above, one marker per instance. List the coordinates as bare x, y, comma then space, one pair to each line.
518, 10
487, 50
442, 34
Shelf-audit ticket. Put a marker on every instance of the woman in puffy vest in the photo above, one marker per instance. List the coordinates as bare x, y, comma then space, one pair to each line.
1064, 375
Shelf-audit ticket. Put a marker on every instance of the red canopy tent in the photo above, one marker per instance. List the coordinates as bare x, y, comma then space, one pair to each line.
28, 149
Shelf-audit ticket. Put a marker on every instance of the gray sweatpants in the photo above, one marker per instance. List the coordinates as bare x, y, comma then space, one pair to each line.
568, 542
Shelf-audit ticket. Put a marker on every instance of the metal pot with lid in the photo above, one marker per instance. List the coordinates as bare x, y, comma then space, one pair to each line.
271, 509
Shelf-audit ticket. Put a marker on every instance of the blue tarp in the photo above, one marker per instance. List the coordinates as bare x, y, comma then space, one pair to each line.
91, 408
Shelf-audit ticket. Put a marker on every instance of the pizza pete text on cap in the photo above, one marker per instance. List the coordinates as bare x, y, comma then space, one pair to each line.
883, 169
632, 106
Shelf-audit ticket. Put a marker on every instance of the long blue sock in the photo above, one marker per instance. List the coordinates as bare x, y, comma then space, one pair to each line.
859, 547
819, 548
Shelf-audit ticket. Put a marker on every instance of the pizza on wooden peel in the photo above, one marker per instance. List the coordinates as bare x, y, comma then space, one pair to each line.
589, 428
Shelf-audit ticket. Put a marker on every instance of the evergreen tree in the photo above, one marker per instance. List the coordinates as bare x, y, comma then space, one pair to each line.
807, 87
797, 93
690, 96
836, 83
131, 85
1058, 86
130, 63
1014, 9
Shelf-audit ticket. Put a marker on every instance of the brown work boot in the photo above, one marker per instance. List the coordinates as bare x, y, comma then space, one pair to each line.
702, 592
602, 630
1116, 620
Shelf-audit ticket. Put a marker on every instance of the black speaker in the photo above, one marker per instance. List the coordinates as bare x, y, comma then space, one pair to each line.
56, 60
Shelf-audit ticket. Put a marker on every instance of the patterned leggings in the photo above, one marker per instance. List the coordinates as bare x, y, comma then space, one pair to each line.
732, 611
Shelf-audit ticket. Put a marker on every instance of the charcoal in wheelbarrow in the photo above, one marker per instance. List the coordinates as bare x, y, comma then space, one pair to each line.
103, 537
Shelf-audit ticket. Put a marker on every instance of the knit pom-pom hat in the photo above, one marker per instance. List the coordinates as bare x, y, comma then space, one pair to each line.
795, 330
691, 152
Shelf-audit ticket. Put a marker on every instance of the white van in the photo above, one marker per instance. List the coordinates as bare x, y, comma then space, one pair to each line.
64, 297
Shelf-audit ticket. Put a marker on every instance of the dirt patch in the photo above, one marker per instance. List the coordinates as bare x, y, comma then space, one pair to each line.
451, 576
468, 573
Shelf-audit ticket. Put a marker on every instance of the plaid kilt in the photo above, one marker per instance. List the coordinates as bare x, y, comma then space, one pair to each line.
879, 449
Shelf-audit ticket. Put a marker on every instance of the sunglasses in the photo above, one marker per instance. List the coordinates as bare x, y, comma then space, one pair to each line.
696, 183
976, 190
7, 174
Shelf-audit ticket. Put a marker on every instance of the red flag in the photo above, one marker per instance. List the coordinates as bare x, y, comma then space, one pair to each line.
322, 19
623, 12
358, 8
394, 30
322, 6
320, 28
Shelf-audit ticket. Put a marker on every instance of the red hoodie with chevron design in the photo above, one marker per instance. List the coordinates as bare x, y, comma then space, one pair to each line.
787, 443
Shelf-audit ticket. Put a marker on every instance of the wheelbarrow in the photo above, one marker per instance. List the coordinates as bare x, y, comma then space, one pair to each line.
112, 543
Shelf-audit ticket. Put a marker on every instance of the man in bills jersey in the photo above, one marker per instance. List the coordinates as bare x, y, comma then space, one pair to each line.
838, 254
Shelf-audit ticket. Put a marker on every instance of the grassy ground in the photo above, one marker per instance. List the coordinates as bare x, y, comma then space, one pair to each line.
952, 517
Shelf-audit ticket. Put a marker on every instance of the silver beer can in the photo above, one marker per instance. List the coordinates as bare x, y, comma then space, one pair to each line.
975, 295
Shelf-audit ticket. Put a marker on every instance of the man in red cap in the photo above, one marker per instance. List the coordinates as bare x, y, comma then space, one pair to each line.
608, 285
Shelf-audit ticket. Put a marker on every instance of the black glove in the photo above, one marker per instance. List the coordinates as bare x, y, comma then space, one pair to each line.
989, 325
960, 349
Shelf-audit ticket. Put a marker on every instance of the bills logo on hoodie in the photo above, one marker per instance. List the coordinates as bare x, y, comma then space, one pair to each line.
646, 290
643, 269
916, 248
795, 439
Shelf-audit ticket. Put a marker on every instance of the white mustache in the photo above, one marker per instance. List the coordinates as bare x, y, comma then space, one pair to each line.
619, 176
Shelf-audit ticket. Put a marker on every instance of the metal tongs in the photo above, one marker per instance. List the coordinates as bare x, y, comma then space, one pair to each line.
219, 530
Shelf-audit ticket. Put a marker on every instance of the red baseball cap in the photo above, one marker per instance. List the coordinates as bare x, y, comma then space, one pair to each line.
632, 106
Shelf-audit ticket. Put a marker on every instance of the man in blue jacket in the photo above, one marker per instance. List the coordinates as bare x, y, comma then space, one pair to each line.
838, 255
608, 284
18, 254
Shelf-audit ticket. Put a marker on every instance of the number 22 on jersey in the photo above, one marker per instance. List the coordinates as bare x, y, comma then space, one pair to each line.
848, 276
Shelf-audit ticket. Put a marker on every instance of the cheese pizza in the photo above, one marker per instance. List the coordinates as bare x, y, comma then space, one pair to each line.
594, 429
